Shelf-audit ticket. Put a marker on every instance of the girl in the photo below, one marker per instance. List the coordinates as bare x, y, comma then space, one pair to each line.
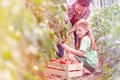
85, 52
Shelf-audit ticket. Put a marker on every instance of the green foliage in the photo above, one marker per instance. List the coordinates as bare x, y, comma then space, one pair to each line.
105, 25
29, 31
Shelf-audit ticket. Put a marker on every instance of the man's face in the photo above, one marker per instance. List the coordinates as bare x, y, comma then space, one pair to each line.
80, 9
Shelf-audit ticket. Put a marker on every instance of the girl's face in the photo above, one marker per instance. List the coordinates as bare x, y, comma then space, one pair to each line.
80, 32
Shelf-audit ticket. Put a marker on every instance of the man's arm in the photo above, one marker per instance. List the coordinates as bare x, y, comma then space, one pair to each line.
87, 14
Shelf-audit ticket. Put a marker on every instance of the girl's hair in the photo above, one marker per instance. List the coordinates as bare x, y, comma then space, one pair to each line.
78, 24
83, 23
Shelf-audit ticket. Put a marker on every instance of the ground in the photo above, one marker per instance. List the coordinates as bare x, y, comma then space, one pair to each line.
85, 77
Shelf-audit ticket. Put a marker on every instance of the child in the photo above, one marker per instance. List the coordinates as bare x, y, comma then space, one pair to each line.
85, 53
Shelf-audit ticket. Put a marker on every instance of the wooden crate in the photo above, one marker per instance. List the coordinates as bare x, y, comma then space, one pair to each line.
65, 70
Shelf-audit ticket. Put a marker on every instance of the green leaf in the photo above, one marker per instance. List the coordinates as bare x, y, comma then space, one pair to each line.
63, 7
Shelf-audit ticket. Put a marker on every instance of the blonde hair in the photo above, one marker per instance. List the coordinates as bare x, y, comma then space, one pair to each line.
82, 23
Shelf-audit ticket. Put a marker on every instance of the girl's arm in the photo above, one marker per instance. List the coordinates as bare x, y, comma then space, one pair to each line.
71, 50
93, 45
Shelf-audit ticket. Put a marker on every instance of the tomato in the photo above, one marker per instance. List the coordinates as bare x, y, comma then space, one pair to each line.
65, 61
54, 60
62, 61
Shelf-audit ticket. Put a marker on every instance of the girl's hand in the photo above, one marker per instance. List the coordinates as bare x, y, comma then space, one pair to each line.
65, 46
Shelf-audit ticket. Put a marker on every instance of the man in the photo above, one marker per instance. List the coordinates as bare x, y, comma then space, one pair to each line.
78, 10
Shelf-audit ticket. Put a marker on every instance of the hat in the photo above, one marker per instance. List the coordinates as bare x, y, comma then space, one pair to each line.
81, 23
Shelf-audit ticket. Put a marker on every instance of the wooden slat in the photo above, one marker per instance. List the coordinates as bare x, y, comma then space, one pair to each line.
76, 66
63, 73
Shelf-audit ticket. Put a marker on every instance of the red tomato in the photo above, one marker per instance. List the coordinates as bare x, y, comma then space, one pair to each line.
54, 60
63, 62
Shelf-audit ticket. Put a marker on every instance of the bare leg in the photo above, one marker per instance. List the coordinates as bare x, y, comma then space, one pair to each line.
86, 71
72, 57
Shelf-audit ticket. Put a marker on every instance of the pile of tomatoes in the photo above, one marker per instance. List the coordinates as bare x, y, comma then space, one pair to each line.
61, 60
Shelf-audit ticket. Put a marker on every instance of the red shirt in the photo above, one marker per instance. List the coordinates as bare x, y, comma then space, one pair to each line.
74, 16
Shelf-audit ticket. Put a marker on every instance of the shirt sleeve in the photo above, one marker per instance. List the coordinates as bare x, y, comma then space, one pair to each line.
86, 14
85, 44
